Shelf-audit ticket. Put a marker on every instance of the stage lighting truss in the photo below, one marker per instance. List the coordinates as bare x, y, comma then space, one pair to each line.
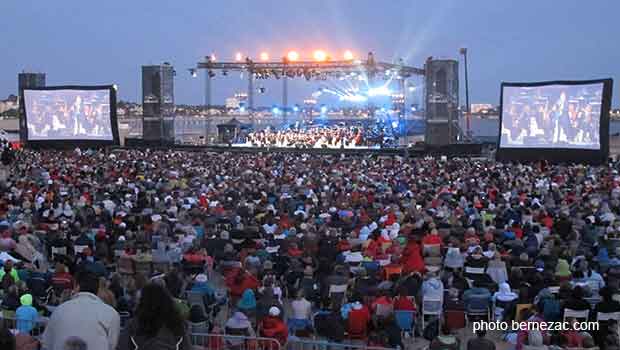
311, 70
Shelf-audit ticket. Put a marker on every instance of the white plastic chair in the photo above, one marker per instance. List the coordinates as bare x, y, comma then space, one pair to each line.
79, 248
59, 251
570, 313
474, 270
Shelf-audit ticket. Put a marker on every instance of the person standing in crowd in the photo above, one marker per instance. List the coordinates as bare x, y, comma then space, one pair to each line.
272, 326
157, 324
85, 314
9, 270
26, 314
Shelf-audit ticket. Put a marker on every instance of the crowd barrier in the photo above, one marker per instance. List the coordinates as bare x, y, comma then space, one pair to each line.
317, 344
34, 328
215, 341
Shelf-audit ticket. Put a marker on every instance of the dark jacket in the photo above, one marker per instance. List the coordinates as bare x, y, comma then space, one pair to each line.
163, 340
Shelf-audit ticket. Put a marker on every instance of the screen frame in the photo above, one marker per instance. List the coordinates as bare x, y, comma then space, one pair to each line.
66, 143
559, 154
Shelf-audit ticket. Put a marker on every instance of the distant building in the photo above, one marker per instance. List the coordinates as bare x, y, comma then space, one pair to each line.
158, 102
232, 103
12, 102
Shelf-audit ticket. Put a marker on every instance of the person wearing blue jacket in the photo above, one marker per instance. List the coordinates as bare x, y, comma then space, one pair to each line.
26, 314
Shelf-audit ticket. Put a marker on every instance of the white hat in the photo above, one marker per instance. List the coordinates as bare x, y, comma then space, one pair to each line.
202, 278
121, 239
274, 311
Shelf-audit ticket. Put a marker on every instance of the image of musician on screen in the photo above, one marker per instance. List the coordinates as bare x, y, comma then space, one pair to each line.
552, 116
66, 114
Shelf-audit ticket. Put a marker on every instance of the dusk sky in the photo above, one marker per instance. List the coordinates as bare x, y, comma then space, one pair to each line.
106, 42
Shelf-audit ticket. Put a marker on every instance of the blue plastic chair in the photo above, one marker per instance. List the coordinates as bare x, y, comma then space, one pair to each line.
404, 320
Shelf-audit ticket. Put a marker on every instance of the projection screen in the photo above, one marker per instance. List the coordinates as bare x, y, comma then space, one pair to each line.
69, 114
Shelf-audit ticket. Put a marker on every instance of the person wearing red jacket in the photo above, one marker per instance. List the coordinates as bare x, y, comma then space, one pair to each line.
432, 238
358, 319
272, 326
412, 258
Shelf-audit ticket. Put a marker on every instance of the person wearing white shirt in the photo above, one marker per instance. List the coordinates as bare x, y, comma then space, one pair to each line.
85, 315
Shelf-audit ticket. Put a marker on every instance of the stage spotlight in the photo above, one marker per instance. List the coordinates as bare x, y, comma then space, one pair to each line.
238, 57
241, 109
348, 55
292, 56
295, 108
320, 55
275, 110
323, 109
411, 88
394, 125
212, 57
193, 73
264, 56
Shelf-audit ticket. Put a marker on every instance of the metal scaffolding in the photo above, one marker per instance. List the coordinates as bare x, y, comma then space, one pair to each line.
310, 70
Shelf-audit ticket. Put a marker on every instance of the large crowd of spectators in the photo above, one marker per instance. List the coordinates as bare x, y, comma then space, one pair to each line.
123, 249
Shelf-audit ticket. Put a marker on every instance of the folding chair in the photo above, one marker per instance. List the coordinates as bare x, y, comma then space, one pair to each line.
477, 306
570, 313
58, 251
431, 306
474, 270
339, 291
125, 317
79, 248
